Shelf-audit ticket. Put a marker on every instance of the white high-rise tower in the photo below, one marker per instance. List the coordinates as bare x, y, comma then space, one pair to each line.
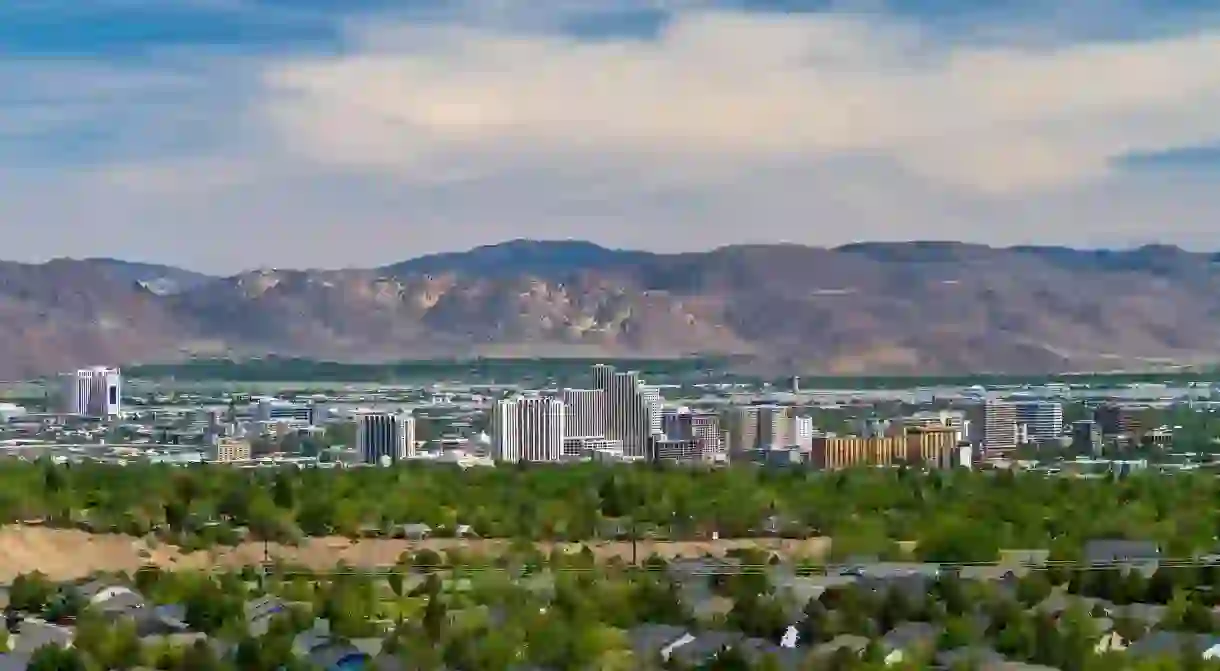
92, 392
527, 428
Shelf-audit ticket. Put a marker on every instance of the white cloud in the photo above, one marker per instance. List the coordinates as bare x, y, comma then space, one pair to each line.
740, 88
729, 127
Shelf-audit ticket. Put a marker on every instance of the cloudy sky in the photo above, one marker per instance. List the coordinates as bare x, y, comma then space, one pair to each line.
227, 134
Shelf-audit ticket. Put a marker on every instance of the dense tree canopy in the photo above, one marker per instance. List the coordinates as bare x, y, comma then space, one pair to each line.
954, 516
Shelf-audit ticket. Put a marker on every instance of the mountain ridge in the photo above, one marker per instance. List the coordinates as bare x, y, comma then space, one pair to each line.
871, 307
524, 253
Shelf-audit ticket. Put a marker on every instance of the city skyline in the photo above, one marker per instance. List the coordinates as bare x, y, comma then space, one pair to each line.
130, 127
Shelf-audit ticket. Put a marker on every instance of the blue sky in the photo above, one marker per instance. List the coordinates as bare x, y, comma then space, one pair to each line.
228, 134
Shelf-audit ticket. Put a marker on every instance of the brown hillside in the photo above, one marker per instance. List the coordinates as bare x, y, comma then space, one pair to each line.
866, 308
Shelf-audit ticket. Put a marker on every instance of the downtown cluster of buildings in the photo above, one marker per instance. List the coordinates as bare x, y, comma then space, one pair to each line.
623, 419
615, 416
1007, 424
620, 418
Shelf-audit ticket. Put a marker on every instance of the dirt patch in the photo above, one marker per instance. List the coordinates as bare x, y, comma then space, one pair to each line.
65, 554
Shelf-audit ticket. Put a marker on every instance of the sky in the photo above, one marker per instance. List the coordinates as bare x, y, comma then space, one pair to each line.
221, 135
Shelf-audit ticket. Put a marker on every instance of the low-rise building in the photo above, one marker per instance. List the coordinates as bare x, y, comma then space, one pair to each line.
227, 451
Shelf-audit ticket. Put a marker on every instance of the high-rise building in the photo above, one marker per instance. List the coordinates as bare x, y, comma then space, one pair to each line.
1086, 436
633, 409
92, 392
1116, 419
999, 427
653, 406
760, 427
802, 432
1043, 419
584, 412
381, 435
686, 424
505, 434
527, 428
319, 413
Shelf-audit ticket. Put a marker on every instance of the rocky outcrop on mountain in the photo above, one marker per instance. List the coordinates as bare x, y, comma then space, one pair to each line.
862, 308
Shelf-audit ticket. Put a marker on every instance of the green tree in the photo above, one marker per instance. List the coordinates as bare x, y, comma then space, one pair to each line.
283, 491
55, 658
1033, 588
67, 603
200, 657
30, 592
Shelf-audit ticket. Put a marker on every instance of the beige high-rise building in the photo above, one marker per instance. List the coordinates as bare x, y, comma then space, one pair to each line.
633, 409
760, 427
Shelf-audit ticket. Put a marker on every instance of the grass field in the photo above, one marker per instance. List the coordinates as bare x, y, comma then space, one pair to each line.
64, 554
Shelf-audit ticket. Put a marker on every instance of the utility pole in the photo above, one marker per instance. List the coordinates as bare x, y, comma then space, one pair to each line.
635, 560
266, 563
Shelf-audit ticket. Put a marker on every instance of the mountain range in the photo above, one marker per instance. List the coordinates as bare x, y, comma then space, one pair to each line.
912, 307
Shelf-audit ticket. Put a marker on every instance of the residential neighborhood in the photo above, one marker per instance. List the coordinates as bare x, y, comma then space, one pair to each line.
470, 613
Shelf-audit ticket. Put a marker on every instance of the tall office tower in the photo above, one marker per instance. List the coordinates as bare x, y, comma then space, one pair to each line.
633, 409
1086, 436
802, 432
381, 435
528, 428
999, 427
743, 429
1115, 419
585, 412
603, 380
505, 434
775, 427
319, 413
92, 392
1043, 419
654, 406
760, 427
